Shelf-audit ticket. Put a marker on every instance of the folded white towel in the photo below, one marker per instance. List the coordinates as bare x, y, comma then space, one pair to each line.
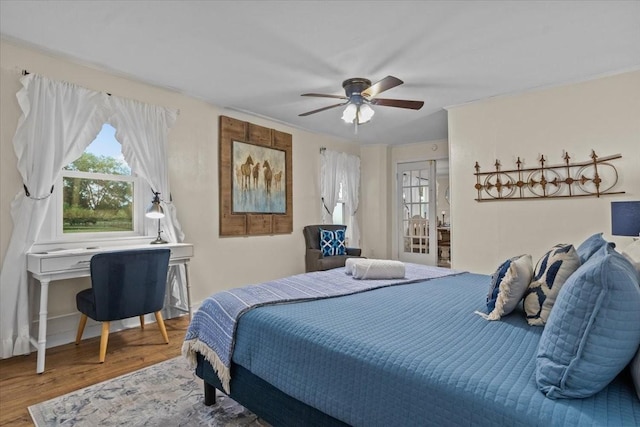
349, 263
378, 269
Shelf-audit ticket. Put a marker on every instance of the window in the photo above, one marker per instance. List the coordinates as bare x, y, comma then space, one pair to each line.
338, 209
97, 189
96, 195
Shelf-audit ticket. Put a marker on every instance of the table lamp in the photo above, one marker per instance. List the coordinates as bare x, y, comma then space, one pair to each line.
155, 211
625, 218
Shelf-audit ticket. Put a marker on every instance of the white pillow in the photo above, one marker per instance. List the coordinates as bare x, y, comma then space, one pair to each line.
508, 285
632, 253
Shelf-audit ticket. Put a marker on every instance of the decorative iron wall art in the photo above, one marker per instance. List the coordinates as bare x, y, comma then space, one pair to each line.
596, 177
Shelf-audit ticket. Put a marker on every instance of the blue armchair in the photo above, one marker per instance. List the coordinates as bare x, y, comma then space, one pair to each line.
124, 284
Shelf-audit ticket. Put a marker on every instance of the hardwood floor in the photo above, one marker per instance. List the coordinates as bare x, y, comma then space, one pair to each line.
70, 367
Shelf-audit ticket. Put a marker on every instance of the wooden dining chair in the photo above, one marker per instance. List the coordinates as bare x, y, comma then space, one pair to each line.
124, 284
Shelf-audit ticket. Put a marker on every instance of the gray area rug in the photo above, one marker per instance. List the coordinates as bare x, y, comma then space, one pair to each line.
166, 394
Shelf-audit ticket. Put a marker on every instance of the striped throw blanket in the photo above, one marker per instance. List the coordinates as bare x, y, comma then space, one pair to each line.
212, 328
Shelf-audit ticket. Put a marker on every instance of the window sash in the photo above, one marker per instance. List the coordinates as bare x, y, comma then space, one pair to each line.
52, 229
97, 176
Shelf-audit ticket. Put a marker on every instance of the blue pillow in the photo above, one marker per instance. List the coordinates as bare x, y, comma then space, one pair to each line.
508, 285
590, 246
553, 269
593, 330
332, 242
635, 372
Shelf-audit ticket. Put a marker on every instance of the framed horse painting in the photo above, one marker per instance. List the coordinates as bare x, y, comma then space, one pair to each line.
255, 179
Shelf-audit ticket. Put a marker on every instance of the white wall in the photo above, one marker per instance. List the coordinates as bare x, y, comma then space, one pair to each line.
219, 263
601, 115
375, 181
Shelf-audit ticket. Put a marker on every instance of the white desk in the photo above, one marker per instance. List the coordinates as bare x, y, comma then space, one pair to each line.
74, 263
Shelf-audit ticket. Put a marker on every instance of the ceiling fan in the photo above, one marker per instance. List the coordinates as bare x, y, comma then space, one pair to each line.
360, 94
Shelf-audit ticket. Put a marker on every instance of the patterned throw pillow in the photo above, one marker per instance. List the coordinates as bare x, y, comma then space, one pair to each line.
508, 285
553, 269
593, 330
332, 242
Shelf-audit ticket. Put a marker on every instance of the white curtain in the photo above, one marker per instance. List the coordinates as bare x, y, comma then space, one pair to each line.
335, 169
329, 184
59, 120
143, 131
350, 177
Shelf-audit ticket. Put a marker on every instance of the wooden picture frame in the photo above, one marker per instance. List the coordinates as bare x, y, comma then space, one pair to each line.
249, 205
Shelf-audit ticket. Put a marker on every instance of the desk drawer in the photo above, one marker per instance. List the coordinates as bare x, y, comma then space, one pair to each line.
65, 263
69, 261
181, 252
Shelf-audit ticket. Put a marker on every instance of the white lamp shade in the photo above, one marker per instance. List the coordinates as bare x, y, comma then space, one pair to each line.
349, 114
365, 113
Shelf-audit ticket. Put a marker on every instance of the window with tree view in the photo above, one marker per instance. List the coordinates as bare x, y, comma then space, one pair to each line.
98, 189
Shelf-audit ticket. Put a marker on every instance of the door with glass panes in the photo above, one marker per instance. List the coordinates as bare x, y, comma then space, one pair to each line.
417, 238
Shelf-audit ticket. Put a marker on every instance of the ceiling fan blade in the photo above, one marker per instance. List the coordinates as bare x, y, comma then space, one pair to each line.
384, 84
322, 95
400, 103
322, 109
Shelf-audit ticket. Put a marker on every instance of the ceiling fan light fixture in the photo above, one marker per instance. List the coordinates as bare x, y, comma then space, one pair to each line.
362, 113
359, 94
349, 113
365, 113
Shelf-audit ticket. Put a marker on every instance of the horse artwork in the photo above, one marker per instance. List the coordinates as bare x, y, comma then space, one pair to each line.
267, 176
248, 193
256, 174
239, 175
277, 179
245, 168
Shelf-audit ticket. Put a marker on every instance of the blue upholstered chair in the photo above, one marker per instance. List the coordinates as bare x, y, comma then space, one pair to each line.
124, 284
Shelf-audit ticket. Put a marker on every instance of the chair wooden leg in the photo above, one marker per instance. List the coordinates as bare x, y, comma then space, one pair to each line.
81, 325
104, 338
163, 330
142, 322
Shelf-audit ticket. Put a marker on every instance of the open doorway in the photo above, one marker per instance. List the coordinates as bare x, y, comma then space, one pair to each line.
443, 208
417, 218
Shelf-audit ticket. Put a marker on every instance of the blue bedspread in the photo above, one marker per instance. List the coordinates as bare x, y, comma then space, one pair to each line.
213, 327
416, 355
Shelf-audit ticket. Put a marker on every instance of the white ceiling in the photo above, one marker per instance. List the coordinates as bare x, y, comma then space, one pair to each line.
259, 56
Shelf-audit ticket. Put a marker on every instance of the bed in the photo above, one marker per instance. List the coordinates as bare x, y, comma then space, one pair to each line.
406, 354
